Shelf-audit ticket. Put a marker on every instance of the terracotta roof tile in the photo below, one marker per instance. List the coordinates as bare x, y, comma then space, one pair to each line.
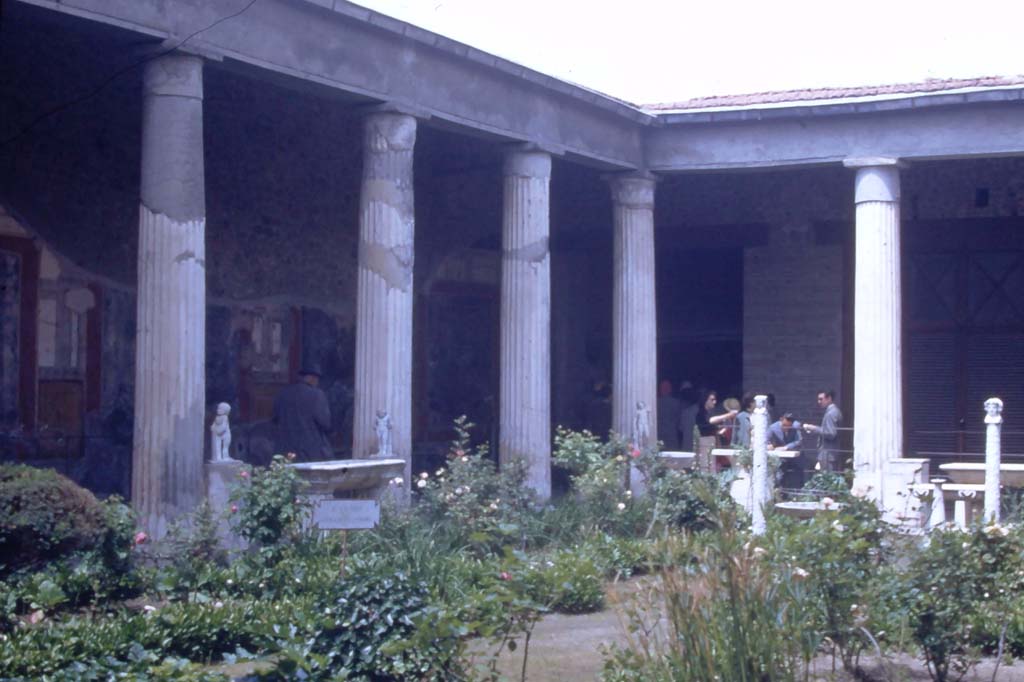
816, 94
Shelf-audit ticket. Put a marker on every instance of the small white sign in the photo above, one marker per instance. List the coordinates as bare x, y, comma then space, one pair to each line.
346, 514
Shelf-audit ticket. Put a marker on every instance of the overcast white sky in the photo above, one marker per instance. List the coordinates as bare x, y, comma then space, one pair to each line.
649, 51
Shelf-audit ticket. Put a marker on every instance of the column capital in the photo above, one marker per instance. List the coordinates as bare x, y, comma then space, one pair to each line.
389, 131
175, 75
873, 161
395, 108
760, 404
632, 189
528, 161
878, 179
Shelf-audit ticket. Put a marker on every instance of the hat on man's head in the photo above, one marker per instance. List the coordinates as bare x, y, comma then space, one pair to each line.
310, 369
731, 404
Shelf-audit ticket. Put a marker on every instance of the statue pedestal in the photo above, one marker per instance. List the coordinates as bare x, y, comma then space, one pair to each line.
220, 476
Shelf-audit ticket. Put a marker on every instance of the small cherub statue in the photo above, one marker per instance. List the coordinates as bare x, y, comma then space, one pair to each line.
642, 426
383, 428
220, 435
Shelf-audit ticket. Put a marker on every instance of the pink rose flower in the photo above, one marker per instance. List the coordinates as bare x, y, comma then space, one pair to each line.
140, 537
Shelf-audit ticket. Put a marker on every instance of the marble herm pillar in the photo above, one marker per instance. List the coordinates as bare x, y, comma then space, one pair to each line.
525, 399
993, 457
385, 292
170, 351
634, 335
759, 473
878, 379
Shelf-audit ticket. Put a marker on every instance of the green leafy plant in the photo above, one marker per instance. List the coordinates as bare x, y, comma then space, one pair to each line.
45, 516
267, 505
485, 507
838, 554
960, 588
714, 612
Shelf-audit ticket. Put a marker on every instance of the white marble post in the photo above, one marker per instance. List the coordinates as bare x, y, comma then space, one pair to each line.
759, 474
170, 340
634, 329
525, 399
878, 379
993, 456
384, 303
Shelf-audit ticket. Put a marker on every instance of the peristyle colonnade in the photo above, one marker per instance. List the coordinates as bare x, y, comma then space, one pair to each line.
169, 373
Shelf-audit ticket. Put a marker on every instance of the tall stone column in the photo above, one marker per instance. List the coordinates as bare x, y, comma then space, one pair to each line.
634, 335
170, 351
877, 341
525, 399
385, 293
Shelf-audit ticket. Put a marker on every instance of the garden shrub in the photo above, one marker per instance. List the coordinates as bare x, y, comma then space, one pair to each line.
598, 474
689, 500
362, 633
961, 588
837, 552
833, 484
129, 644
481, 505
268, 509
106, 569
45, 516
568, 582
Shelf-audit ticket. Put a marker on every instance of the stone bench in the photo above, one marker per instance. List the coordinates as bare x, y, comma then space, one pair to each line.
968, 500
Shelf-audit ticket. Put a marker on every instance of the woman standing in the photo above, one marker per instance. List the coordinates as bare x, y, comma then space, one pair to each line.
707, 425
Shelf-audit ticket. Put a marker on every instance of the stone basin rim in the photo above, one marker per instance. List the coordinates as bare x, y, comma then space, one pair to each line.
345, 464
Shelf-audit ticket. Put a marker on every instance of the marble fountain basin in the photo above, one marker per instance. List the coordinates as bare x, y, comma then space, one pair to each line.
804, 510
334, 475
1011, 474
677, 459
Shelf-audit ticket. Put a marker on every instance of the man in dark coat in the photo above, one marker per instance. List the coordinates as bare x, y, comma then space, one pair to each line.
303, 419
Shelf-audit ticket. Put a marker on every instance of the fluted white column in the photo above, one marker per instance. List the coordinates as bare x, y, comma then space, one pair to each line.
170, 362
525, 400
385, 294
993, 457
634, 329
759, 473
878, 377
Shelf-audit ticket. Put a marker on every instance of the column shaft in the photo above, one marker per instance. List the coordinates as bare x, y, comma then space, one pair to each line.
385, 292
525, 399
634, 335
170, 351
878, 382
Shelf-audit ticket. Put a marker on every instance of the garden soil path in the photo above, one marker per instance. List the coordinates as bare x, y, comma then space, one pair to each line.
567, 649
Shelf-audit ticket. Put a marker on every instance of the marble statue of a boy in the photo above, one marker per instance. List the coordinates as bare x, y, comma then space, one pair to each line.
220, 434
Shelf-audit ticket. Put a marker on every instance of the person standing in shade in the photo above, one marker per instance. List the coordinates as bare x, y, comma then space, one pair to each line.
303, 418
828, 432
690, 401
742, 428
708, 426
669, 409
